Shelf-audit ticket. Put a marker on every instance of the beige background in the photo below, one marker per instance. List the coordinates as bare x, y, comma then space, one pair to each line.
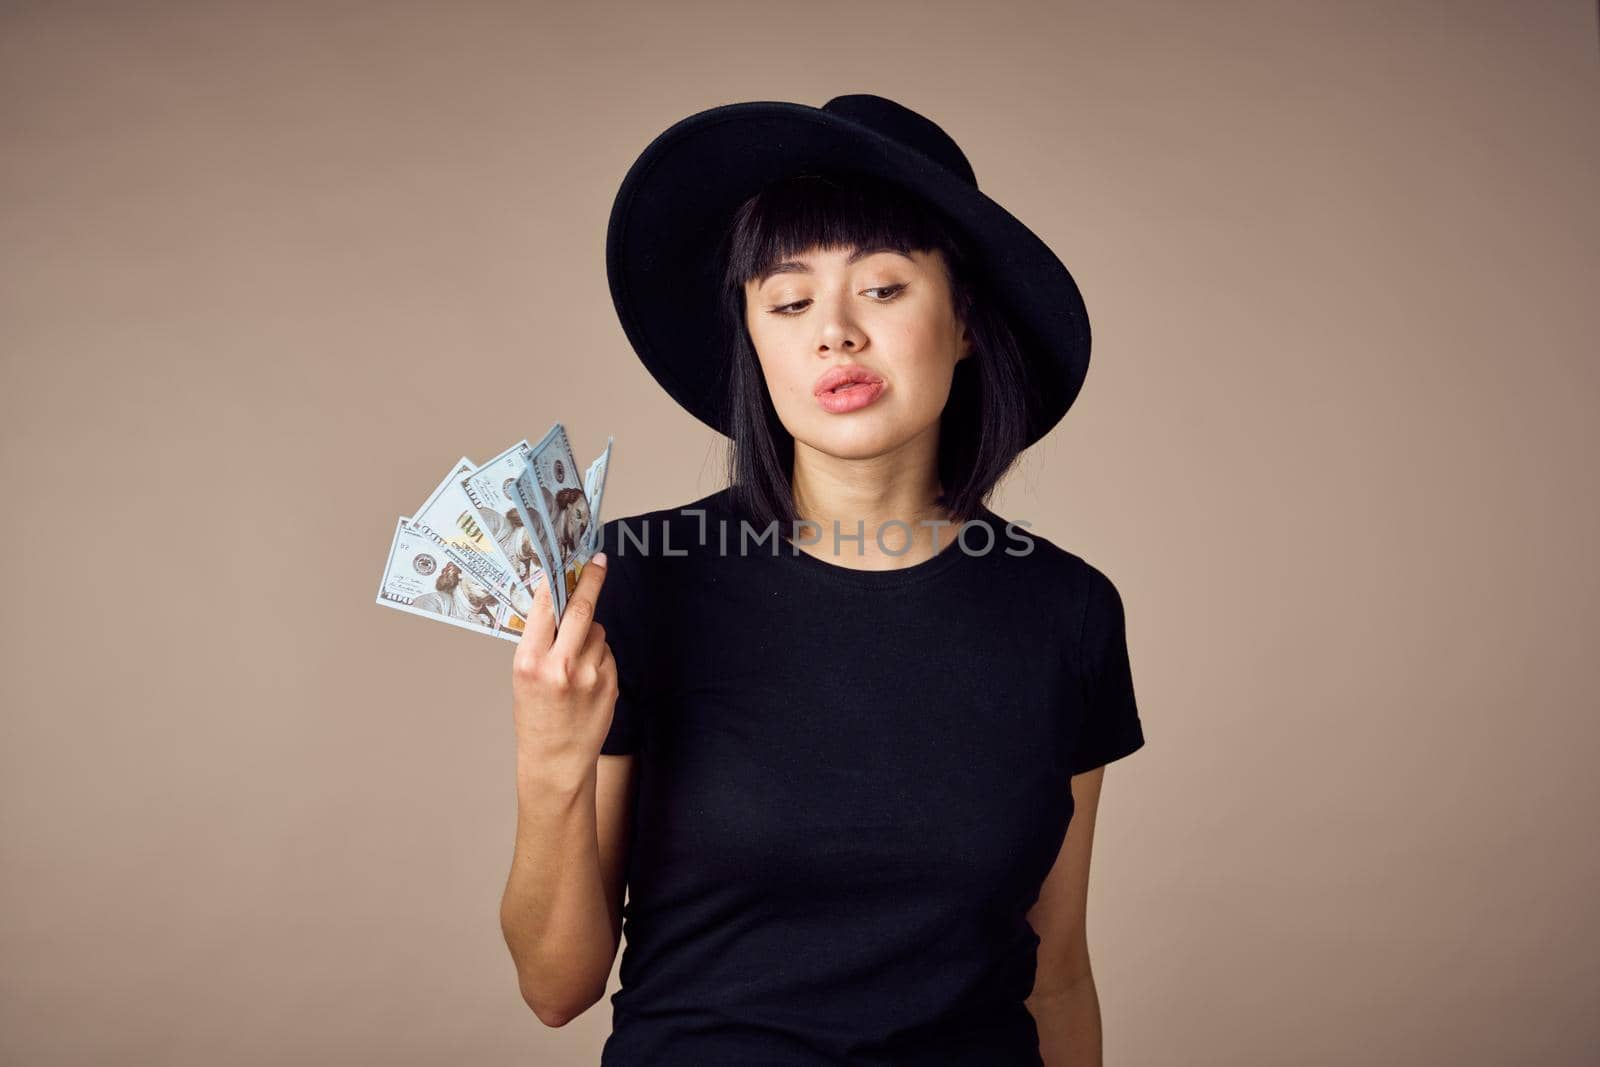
270, 268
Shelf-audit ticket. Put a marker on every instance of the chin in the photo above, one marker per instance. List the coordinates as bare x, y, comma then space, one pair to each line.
855, 438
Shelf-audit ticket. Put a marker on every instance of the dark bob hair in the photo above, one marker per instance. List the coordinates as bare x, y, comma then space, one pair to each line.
984, 424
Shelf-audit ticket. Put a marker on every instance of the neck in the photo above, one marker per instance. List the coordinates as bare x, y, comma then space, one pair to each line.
844, 497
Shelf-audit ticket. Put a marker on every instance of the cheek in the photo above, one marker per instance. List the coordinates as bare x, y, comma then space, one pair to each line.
780, 373
927, 358
784, 370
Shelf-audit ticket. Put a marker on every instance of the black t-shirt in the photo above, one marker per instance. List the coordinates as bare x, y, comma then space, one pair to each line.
851, 786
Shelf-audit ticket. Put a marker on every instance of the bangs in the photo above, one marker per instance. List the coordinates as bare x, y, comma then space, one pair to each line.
829, 211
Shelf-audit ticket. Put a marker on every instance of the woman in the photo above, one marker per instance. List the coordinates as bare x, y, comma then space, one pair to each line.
838, 728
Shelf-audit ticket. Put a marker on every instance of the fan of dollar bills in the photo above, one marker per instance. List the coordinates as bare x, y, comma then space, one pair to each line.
487, 535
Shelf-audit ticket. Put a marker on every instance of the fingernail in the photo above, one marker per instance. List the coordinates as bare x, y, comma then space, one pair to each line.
600, 558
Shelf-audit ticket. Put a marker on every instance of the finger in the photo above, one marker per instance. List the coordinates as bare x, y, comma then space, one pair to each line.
596, 652
540, 625
580, 609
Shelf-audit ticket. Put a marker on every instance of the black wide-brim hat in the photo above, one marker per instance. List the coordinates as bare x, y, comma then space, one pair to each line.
677, 201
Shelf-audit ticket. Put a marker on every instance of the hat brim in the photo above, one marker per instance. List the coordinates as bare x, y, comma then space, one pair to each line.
678, 198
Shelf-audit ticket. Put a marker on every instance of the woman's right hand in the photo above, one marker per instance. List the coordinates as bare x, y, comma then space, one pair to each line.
564, 683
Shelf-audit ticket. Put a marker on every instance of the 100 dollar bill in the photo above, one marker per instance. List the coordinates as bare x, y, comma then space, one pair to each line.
488, 535
594, 487
421, 579
491, 492
449, 514
553, 486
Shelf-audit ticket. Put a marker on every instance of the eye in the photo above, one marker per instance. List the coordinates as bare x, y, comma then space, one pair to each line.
799, 305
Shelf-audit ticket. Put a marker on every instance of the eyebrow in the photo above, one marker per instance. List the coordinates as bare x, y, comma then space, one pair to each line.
799, 266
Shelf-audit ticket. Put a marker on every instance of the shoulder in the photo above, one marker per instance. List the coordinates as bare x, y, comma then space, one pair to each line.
650, 545
1083, 605
678, 525
1043, 559
1056, 583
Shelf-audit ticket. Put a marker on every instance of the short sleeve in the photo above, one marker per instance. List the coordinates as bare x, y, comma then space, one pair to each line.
1110, 727
619, 610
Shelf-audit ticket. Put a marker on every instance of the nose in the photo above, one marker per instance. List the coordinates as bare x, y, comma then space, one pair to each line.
839, 334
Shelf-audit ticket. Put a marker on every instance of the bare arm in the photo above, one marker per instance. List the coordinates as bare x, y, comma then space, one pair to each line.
1064, 1002
561, 909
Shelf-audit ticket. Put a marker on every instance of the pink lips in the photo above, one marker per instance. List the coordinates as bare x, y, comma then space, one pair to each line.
847, 388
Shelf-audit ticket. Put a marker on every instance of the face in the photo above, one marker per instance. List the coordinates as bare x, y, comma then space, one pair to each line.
889, 314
